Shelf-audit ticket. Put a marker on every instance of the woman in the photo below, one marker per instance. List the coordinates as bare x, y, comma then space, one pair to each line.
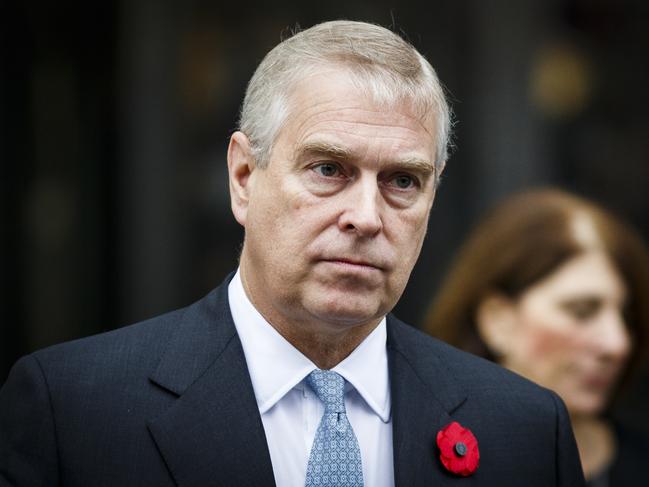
557, 289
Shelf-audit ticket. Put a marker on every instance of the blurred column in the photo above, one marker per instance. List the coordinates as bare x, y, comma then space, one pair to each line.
13, 153
150, 227
509, 148
55, 92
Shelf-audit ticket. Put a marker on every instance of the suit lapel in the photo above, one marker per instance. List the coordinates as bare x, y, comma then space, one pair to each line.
212, 434
423, 399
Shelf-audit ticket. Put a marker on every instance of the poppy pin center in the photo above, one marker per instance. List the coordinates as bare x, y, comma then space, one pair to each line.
460, 449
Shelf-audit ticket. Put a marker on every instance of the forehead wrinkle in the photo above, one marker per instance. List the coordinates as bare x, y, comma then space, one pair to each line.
332, 127
357, 119
315, 107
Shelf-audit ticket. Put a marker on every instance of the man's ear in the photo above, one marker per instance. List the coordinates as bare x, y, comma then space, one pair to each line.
496, 323
241, 164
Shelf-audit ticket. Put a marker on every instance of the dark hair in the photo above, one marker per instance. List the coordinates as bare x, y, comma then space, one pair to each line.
524, 239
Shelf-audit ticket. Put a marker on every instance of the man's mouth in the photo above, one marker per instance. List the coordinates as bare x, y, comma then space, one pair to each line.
354, 263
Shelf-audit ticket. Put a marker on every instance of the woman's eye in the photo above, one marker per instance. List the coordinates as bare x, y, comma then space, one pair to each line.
327, 170
582, 310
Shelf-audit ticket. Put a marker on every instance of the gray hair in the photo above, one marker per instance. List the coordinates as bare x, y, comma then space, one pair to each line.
380, 63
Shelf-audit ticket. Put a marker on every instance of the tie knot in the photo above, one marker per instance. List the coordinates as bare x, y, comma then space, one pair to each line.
330, 389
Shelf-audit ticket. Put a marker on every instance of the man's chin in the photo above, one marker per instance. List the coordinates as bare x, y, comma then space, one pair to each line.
349, 314
346, 306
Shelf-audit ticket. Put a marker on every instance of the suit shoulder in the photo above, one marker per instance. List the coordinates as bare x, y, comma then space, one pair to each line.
132, 353
430, 356
149, 335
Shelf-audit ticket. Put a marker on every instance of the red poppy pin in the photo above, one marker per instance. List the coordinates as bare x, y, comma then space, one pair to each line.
458, 449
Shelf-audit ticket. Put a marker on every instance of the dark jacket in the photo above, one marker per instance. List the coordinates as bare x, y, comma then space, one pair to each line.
169, 402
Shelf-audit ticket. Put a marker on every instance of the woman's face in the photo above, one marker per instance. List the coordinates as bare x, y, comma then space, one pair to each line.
569, 333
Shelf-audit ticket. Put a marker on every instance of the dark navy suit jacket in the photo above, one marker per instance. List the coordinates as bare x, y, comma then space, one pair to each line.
169, 402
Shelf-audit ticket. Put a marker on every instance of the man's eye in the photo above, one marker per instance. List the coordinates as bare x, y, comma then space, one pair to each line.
403, 181
327, 170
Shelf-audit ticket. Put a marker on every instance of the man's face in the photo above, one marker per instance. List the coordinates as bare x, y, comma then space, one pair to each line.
336, 221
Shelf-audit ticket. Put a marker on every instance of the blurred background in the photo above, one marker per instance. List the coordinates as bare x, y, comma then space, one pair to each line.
115, 117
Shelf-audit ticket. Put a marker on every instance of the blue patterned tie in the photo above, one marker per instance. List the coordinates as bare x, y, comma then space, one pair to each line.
335, 458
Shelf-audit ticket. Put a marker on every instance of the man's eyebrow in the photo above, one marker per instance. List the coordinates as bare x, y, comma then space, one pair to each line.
333, 150
423, 165
324, 148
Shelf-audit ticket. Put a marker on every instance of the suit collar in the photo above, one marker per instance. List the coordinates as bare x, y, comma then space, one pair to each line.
419, 356
424, 396
212, 432
204, 330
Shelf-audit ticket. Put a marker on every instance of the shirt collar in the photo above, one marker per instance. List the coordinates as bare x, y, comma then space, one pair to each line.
366, 368
276, 366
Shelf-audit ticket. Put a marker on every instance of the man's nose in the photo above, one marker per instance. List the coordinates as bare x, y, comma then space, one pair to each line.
362, 208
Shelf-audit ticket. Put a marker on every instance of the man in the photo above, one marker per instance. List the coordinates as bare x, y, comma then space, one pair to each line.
292, 372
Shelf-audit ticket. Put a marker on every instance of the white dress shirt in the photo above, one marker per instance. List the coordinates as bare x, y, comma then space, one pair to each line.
291, 412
